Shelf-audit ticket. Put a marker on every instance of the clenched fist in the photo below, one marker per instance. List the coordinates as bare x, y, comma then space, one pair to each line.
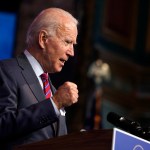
66, 95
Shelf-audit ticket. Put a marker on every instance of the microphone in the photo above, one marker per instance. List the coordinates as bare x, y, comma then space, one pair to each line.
127, 125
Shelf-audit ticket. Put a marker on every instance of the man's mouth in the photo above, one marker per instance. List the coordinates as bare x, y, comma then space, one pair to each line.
63, 60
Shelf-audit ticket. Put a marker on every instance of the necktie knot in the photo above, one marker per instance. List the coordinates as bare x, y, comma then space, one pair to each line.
44, 76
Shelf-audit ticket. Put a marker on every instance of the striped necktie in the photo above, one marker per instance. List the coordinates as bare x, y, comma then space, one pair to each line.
46, 86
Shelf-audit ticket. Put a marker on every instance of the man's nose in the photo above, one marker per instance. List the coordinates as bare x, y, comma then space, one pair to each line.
71, 51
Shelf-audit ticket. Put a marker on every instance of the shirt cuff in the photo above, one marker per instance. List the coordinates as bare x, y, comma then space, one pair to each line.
58, 112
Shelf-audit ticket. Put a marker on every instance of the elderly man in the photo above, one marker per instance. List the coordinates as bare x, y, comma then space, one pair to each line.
31, 109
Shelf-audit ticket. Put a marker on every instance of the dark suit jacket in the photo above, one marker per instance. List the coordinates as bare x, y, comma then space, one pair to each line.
25, 115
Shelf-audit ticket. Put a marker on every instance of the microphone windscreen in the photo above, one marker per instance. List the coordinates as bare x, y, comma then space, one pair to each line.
114, 118
120, 121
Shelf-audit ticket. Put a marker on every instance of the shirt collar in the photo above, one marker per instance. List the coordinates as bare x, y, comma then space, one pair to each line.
34, 63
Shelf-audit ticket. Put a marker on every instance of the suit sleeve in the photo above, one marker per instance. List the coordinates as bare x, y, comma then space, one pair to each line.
16, 122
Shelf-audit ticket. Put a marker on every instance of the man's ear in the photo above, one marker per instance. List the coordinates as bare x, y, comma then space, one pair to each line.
42, 38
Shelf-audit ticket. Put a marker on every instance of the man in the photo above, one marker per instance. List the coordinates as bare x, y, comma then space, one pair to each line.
26, 114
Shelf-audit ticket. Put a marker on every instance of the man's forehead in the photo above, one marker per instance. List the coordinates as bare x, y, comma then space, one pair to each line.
69, 31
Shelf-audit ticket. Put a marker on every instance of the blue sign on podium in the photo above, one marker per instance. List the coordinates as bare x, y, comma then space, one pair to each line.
125, 141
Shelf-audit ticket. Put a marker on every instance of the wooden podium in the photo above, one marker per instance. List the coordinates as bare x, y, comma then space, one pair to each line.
86, 140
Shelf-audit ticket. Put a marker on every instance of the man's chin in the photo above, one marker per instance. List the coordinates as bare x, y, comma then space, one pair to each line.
59, 69
55, 70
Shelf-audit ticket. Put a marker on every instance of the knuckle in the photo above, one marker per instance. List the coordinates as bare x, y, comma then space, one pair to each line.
67, 83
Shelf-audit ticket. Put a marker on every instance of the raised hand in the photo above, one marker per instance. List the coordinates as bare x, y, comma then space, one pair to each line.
66, 95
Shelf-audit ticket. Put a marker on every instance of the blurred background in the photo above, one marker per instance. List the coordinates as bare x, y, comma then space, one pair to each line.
112, 59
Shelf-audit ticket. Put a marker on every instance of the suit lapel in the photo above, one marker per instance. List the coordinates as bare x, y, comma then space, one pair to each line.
30, 77
32, 81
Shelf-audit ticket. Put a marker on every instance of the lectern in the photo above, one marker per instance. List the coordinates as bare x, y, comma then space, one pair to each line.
86, 140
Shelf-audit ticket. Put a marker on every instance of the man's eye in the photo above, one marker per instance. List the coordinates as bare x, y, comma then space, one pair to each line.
68, 42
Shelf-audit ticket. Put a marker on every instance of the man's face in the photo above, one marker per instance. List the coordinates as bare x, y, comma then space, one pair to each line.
59, 48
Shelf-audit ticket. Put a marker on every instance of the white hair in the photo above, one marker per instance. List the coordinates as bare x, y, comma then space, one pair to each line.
49, 19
